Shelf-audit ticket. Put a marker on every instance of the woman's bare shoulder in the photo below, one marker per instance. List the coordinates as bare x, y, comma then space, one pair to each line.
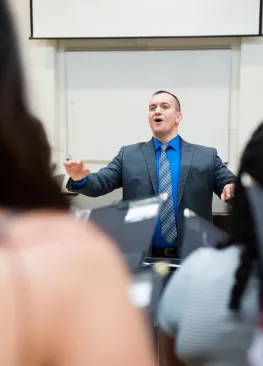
53, 243
61, 255
48, 236
61, 264
52, 228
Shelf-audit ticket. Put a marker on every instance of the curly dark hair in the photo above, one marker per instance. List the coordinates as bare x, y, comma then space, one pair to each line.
25, 156
242, 225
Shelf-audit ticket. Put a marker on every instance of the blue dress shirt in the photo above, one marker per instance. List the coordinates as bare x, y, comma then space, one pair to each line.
80, 183
174, 157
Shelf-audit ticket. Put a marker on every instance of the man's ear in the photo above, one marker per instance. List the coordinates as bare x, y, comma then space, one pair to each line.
179, 117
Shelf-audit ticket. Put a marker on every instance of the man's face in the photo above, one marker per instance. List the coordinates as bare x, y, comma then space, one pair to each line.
164, 117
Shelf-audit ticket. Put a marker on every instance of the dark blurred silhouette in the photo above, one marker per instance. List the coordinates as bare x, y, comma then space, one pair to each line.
242, 224
25, 156
63, 288
218, 289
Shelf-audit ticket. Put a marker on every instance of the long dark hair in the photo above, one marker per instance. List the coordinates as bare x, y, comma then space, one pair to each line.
242, 225
25, 157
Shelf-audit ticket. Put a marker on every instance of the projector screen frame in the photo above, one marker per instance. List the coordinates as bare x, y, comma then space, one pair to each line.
259, 34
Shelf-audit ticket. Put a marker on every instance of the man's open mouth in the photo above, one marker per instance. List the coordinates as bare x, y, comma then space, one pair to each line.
157, 120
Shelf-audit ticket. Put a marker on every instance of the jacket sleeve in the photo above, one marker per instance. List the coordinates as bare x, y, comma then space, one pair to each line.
222, 175
104, 181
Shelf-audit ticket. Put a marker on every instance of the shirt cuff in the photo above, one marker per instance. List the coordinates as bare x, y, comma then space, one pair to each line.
79, 184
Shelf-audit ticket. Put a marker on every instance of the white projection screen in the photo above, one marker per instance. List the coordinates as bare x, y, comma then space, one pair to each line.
144, 18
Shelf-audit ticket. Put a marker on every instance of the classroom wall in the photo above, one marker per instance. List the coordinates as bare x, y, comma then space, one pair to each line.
41, 60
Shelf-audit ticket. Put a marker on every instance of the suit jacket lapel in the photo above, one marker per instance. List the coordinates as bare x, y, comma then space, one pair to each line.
149, 155
186, 159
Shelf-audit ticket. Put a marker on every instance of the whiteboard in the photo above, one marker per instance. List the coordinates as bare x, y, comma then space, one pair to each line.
108, 95
143, 18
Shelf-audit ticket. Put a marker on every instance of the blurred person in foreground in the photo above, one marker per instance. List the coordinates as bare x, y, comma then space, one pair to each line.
64, 292
209, 310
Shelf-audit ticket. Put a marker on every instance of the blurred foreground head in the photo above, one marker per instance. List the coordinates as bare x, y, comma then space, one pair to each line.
25, 156
242, 225
252, 163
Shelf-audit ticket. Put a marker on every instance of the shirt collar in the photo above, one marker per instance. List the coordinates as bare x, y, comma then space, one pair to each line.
174, 143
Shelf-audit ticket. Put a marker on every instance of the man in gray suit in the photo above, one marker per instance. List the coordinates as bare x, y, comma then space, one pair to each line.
189, 173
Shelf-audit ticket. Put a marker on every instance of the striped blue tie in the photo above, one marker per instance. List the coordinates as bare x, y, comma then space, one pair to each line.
167, 216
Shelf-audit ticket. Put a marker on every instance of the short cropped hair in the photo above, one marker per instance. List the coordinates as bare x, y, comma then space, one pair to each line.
178, 104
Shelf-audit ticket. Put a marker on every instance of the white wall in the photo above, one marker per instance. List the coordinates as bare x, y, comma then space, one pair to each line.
44, 70
251, 88
39, 58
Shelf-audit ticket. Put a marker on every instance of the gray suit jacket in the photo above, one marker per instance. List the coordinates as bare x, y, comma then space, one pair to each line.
134, 169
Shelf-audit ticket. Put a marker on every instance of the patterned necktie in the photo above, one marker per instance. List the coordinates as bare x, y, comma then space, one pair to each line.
167, 217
